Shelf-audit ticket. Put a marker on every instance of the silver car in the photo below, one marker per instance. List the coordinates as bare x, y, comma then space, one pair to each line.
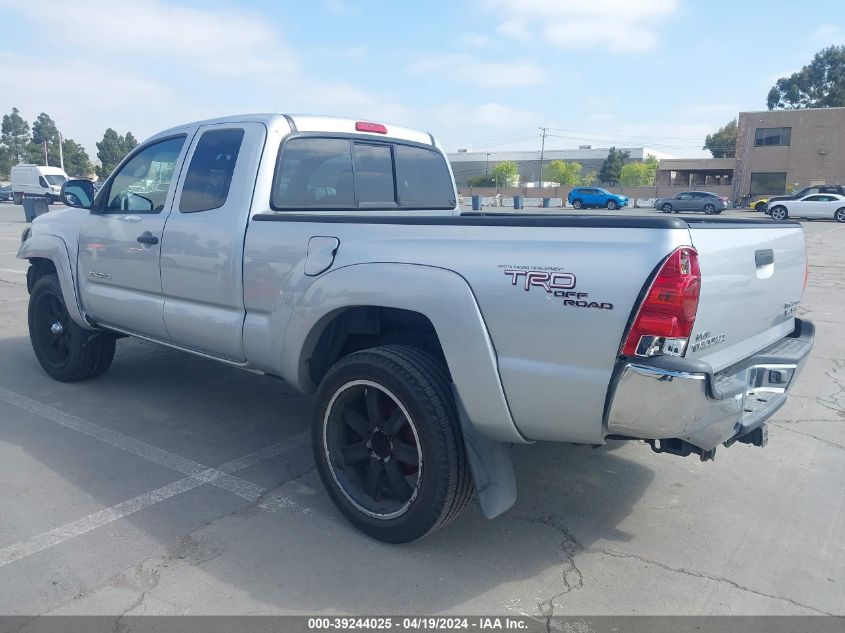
705, 201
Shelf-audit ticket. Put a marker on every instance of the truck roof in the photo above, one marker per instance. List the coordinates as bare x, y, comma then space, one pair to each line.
315, 123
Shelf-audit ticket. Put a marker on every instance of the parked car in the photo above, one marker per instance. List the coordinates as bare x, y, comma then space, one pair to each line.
37, 180
6, 193
595, 197
825, 206
705, 201
332, 253
806, 191
759, 205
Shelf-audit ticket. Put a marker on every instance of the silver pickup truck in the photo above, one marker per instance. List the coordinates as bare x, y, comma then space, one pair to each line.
332, 253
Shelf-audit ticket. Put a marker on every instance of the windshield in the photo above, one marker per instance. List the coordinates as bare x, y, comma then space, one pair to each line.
54, 179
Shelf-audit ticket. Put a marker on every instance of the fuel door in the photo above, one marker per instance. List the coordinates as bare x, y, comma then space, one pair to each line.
321, 252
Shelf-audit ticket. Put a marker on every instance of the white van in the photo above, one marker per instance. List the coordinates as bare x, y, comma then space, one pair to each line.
35, 180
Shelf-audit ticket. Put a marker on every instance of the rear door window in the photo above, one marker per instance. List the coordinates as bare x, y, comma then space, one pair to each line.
210, 172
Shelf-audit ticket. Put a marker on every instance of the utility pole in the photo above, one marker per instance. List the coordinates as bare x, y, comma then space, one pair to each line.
487, 164
542, 150
61, 153
46, 162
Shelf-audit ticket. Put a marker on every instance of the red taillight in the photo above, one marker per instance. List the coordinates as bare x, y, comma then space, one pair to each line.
364, 126
667, 314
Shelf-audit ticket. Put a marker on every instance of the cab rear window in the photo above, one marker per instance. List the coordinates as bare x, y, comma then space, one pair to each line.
343, 174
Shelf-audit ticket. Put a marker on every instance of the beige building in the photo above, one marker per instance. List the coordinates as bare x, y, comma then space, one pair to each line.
779, 150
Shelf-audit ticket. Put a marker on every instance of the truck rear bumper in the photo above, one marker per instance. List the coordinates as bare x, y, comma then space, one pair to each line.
676, 398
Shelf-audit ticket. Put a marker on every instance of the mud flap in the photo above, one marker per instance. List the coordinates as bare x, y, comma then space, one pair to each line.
491, 466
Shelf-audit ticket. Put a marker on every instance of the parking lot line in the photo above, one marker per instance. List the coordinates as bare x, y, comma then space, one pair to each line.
214, 476
224, 480
12, 270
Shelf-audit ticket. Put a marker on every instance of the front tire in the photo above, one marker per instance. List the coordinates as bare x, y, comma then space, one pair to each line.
779, 213
839, 216
666, 208
760, 206
611, 205
65, 351
388, 444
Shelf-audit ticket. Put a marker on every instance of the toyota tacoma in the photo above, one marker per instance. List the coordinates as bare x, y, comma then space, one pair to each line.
332, 253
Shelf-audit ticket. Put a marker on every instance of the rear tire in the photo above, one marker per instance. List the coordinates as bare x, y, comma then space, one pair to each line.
65, 351
388, 443
709, 209
17, 198
577, 204
839, 216
779, 213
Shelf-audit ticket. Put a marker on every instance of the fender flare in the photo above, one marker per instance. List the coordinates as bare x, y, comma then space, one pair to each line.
53, 248
446, 299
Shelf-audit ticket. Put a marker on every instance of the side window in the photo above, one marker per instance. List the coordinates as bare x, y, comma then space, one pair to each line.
142, 184
210, 172
314, 173
422, 178
41, 181
374, 176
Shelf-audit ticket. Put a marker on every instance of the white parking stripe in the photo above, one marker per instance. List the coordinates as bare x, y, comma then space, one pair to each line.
221, 477
12, 270
68, 531
225, 480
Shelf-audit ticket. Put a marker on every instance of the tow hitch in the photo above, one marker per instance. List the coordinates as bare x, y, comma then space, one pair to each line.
757, 437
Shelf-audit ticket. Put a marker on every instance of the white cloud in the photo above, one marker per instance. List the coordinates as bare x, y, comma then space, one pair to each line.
619, 25
339, 7
225, 42
475, 40
486, 74
831, 33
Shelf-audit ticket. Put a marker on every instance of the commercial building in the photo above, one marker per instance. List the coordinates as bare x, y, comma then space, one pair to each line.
471, 164
780, 150
695, 172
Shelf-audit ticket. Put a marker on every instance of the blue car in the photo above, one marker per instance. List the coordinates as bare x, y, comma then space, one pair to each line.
595, 197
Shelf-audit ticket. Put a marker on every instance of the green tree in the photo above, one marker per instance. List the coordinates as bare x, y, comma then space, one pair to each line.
506, 174
481, 181
819, 84
77, 162
722, 143
129, 143
5, 162
44, 130
15, 135
112, 149
564, 173
588, 179
640, 174
611, 169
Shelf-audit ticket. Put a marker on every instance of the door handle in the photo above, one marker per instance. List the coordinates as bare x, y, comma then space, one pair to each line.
147, 238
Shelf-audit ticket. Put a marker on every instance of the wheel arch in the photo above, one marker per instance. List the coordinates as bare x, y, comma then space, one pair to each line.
434, 305
48, 254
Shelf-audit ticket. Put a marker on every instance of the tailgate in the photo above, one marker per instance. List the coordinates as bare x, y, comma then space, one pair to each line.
752, 276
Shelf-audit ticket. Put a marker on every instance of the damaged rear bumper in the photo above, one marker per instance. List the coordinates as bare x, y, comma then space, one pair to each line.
683, 400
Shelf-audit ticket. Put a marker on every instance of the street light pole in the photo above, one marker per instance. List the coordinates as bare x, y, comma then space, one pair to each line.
542, 150
486, 165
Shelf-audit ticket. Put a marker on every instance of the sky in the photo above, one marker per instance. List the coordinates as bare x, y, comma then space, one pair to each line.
478, 74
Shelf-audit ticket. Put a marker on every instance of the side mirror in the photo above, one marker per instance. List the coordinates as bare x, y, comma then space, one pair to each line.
78, 193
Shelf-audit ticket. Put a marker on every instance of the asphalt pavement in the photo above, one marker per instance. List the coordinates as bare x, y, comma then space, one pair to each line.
175, 485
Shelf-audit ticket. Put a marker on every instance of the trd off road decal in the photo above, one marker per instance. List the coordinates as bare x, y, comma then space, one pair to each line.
555, 281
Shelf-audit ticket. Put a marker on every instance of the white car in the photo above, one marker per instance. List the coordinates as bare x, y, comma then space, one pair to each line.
824, 206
